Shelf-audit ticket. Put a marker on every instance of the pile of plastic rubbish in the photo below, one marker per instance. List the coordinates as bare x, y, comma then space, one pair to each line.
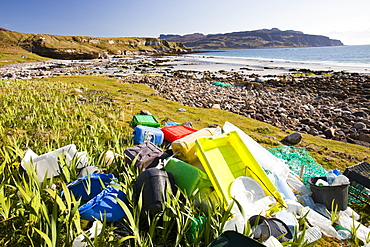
271, 189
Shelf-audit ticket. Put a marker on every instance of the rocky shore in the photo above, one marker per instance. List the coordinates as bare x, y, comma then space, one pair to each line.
333, 106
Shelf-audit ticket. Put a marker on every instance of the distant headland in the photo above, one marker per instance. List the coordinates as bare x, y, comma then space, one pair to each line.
264, 38
83, 47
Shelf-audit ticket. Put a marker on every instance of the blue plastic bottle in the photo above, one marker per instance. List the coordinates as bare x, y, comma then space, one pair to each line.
330, 177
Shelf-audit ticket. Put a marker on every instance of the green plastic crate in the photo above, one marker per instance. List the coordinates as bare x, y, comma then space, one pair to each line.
145, 120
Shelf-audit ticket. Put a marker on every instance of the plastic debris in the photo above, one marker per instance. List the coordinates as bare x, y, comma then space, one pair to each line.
312, 234
221, 84
47, 165
99, 192
93, 232
295, 158
320, 222
362, 231
263, 156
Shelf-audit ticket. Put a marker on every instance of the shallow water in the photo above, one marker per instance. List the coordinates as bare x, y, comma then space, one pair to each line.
358, 55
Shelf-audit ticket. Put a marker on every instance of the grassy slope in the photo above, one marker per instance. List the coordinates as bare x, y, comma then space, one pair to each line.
14, 55
124, 100
11, 43
331, 154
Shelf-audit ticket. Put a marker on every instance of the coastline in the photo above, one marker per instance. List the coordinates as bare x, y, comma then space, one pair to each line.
330, 105
190, 63
260, 66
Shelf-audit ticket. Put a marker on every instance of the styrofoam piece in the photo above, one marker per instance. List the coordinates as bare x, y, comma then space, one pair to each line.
262, 156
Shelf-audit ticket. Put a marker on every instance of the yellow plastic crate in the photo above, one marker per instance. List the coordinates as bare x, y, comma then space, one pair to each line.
226, 157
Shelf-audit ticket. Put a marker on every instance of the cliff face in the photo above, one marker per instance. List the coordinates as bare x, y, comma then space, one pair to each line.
265, 38
81, 47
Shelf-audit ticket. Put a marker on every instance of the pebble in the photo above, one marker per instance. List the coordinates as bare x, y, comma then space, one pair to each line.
317, 105
360, 125
318, 112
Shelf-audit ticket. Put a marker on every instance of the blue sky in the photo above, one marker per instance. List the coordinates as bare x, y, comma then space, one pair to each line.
348, 21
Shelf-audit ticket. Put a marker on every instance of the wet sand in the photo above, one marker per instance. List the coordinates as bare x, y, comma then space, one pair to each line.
258, 66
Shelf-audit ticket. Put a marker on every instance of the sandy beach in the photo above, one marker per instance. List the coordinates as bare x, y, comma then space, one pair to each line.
258, 66
148, 65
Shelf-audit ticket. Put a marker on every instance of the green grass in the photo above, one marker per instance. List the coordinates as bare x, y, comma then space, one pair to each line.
47, 114
13, 55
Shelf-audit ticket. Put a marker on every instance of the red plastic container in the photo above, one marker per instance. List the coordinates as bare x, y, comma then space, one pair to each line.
173, 133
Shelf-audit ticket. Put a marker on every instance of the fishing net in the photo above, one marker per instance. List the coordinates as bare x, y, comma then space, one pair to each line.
295, 158
221, 84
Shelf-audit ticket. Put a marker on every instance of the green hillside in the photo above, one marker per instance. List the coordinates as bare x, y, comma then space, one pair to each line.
82, 47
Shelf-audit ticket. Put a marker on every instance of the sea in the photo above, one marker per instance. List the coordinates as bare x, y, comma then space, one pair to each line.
354, 55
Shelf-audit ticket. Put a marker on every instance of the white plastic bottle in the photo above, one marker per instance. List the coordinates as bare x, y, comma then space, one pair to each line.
321, 182
344, 234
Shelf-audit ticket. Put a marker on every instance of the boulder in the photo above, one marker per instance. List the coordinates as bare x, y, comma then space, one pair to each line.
293, 138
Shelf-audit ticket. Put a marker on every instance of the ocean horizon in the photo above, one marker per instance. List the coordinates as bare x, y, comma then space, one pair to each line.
351, 55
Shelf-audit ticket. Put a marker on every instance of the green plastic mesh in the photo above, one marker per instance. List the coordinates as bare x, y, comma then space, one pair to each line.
221, 84
358, 194
295, 158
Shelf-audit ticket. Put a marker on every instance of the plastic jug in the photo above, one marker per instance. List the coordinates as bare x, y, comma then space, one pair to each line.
187, 177
153, 184
46, 165
144, 133
185, 147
